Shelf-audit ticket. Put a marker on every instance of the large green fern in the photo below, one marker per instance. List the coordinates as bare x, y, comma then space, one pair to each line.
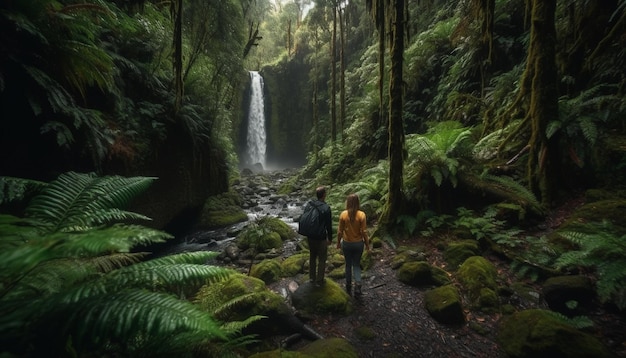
69, 282
604, 251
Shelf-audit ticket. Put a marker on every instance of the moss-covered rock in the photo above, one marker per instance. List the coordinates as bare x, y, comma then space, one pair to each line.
376, 242
294, 264
322, 348
488, 299
539, 333
259, 239
222, 210
475, 274
260, 301
272, 223
560, 290
457, 252
416, 273
440, 276
421, 273
329, 298
444, 304
407, 254
612, 210
267, 270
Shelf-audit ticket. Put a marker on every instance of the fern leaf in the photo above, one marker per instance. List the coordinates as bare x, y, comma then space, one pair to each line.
116, 238
77, 201
197, 257
168, 277
137, 312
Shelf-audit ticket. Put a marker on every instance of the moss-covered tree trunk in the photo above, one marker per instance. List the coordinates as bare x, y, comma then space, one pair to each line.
541, 69
333, 71
395, 200
177, 12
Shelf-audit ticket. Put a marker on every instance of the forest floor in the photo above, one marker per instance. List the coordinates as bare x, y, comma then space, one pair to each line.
390, 320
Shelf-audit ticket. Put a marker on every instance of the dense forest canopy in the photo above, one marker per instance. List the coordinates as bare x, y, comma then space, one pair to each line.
482, 109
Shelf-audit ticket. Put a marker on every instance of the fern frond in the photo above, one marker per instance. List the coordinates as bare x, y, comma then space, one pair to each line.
136, 312
167, 277
235, 327
77, 201
196, 257
116, 238
234, 302
605, 251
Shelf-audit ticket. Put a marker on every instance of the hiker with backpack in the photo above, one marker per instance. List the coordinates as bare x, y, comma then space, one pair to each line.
316, 224
351, 239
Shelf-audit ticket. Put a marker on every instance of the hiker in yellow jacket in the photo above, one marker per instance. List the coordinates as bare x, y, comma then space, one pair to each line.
351, 239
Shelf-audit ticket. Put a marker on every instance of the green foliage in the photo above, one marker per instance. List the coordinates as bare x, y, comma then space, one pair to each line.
486, 226
436, 157
18, 189
578, 322
533, 256
602, 249
580, 120
66, 276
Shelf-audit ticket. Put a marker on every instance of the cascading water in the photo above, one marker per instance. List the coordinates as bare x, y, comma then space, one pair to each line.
256, 121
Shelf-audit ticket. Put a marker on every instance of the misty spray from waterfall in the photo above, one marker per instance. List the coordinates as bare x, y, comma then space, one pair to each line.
256, 121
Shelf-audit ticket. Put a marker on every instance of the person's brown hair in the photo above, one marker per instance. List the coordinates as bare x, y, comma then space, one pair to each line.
352, 205
320, 192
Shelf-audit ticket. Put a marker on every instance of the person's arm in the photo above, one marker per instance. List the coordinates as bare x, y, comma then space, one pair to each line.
364, 232
329, 226
339, 232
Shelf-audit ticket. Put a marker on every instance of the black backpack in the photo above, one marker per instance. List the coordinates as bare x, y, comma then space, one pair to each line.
310, 224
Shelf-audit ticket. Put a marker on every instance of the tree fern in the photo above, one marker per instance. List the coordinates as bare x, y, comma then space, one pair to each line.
604, 251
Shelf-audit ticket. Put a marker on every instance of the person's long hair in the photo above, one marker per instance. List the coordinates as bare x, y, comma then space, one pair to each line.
352, 205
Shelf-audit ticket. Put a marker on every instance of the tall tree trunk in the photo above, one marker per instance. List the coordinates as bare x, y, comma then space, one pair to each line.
395, 201
315, 96
342, 75
541, 65
333, 70
177, 11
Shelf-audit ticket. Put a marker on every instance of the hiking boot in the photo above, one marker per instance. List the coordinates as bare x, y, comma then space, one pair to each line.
349, 288
357, 290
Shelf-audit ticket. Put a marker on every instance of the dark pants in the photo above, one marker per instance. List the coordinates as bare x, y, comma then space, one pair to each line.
352, 252
318, 251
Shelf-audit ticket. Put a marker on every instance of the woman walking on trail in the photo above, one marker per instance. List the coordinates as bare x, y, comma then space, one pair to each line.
351, 238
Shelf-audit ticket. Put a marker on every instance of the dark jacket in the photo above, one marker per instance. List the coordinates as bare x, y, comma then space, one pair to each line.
327, 221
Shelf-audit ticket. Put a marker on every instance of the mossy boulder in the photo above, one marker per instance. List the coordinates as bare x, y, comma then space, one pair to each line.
612, 210
475, 274
259, 239
267, 270
444, 304
261, 301
322, 348
294, 264
326, 299
488, 300
457, 252
539, 333
421, 273
560, 290
221, 210
376, 242
278, 226
407, 254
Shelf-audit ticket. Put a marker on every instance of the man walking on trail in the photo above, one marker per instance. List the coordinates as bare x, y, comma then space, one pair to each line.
318, 245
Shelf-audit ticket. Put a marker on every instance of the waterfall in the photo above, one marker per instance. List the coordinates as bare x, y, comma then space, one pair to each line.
256, 121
